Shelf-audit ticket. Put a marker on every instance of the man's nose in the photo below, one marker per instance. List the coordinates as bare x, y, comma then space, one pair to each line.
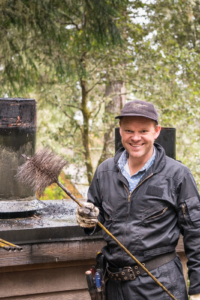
136, 136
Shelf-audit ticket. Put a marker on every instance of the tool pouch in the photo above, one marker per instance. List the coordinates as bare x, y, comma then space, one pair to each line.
101, 265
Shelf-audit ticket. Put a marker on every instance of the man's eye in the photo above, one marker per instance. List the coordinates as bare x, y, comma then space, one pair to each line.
143, 131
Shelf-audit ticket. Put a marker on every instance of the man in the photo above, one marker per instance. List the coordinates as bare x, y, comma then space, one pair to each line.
145, 199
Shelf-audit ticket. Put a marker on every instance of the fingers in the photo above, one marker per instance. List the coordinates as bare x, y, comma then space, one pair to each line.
91, 206
88, 210
85, 222
88, 205
87, 215
85, 212
96, 210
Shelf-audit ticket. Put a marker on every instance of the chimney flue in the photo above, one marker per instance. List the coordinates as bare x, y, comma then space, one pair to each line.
17, 136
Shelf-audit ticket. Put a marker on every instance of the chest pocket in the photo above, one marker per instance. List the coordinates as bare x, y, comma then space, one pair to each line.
154, 214
156, 191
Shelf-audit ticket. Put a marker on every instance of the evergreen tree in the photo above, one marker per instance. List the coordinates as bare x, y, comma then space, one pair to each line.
69, 54
63, 51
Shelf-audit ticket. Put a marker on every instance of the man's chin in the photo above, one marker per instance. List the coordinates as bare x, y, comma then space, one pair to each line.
136, 154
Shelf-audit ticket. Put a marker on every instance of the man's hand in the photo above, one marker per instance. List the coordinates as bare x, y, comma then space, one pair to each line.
195, 297
86, 215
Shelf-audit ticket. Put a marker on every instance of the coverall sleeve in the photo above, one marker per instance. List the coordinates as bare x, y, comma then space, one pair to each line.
94, 197
189, 221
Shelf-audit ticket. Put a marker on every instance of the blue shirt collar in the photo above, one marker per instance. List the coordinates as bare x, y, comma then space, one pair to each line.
124, 158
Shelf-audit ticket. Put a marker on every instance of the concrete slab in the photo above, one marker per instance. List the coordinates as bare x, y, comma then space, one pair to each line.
56, 222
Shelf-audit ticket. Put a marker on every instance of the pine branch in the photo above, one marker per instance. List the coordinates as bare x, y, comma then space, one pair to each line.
96, 66
64, 112
73, 11
98, 82
71, 118
118, 94
97, 110
74, 106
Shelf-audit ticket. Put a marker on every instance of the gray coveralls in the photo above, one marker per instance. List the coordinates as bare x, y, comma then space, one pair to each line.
144, 288
148, 222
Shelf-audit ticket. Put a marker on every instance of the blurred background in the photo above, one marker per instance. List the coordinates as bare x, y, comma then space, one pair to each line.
83, 60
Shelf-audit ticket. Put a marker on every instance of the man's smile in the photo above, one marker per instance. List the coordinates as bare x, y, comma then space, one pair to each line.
136, 146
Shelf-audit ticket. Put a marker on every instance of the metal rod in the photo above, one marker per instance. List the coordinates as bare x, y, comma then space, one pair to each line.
4, 246
10, 244
116, 240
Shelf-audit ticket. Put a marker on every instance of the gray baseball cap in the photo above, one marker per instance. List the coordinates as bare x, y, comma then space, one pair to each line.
139, 108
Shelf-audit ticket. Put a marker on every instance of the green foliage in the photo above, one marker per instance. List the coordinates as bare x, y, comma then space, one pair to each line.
54, 192
43, 33
59, 51
171, 71
67, 54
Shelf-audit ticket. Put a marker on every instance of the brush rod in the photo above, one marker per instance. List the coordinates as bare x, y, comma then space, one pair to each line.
10, 244
68, 193
6, 247
118, 242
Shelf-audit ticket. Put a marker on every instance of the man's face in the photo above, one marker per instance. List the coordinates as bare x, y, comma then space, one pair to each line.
138, 135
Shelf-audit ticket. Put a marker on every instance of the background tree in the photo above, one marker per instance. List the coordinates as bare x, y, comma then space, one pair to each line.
69, 55
171, 71
60, 51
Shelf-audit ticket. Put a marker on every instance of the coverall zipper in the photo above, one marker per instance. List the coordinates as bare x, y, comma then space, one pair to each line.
129, 194
129, 197
163, 211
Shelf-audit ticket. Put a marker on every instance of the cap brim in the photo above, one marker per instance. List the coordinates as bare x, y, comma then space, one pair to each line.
135, 115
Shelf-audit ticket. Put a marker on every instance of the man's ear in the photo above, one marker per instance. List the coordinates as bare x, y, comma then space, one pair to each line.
120, 130
157, 131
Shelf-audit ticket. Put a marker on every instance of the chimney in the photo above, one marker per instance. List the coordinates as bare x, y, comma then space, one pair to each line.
17, 137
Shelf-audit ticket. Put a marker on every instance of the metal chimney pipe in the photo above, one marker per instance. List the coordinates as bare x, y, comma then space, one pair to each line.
17, 136
167, 139
118, 143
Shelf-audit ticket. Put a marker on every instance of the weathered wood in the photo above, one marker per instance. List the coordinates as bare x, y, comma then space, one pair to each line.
51, 270
60, 264
51, 252
42, 281
74, 295
57, 252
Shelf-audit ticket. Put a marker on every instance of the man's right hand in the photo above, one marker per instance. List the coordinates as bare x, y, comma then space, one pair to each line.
86, 215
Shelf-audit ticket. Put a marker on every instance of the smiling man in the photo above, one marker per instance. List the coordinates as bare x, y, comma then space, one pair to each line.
145, 199
138, 135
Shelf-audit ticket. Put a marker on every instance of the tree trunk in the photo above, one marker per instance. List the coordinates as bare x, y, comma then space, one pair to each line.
85, 130
113, 108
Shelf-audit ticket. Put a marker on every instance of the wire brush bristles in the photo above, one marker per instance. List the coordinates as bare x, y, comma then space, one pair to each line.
41, 170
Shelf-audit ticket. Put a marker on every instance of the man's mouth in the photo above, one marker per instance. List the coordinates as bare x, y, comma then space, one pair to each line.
136, 146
